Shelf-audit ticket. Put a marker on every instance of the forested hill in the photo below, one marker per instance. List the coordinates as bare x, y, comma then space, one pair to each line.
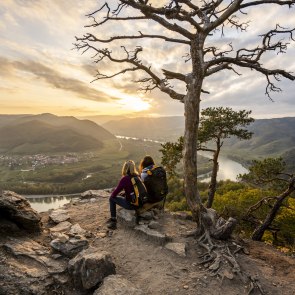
49, 133
271, 137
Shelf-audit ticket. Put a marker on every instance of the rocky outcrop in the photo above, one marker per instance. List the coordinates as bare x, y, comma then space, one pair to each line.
69, 246
90, 267
117, 285
27, 267
16, 209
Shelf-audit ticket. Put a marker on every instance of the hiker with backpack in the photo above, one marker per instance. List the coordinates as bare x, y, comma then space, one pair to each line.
134, 193
154, 179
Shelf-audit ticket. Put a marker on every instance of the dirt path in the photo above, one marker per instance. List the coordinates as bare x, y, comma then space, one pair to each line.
156, 270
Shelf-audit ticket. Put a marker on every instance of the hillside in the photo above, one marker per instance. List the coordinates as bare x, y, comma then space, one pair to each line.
49, 133
38, 137
85, 127
271, 137
102, 119
162, 128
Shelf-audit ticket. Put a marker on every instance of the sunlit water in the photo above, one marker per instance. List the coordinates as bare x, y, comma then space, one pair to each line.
42, 203
228, 169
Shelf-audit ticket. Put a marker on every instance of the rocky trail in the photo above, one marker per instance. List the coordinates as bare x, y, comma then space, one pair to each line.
154, 257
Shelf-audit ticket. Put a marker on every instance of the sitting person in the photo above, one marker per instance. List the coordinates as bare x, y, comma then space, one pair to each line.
146, 164
154, 178
124, 201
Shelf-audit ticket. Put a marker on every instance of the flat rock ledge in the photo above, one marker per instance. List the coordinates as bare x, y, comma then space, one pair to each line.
147, 226
28, 267
152, 234
117, 285
59, 215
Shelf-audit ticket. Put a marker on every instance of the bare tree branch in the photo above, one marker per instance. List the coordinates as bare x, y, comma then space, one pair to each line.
92, 38
154, 14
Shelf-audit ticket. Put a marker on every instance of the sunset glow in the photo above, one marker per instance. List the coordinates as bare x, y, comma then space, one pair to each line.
41, 73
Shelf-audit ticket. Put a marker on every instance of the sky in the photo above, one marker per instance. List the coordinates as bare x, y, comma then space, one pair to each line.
40, 72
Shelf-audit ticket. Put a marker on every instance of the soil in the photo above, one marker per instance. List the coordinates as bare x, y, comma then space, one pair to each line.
151, 267
156, 270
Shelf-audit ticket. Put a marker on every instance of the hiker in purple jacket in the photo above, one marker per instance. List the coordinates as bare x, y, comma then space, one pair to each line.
122, 200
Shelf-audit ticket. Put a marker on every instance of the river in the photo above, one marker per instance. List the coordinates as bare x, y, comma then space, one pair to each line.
229, 169
42, 203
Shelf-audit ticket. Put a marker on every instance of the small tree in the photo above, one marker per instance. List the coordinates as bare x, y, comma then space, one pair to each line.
189, 25
269, 173
216, 125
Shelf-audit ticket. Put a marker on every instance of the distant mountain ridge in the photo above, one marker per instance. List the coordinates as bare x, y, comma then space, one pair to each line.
49, 133
160, 128
272, 137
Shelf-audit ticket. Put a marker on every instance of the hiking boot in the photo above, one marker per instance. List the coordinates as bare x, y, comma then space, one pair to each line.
112, 223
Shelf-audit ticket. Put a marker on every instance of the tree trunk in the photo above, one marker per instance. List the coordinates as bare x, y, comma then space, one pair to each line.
259, 231
213, 183
192, 113
191, 106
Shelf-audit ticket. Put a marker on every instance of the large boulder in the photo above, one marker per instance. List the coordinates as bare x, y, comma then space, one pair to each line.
117, 285
90, 267
17, 209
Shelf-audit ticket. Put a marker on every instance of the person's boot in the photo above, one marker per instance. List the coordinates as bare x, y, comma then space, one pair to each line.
112, 223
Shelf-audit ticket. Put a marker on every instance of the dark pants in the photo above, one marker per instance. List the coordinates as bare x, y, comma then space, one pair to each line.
122, 202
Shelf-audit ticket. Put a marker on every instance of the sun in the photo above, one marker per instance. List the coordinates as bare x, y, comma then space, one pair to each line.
136, 104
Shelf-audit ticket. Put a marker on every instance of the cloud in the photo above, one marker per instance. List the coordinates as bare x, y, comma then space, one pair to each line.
36, 37
54, 79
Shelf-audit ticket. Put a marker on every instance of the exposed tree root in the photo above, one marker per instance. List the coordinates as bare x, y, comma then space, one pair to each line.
219, 256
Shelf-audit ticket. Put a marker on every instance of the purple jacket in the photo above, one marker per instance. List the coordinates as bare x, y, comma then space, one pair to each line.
126, 185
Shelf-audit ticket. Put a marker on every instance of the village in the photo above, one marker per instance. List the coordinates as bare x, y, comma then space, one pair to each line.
31, 162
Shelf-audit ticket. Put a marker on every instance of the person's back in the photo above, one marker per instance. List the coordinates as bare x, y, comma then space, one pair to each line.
154, 178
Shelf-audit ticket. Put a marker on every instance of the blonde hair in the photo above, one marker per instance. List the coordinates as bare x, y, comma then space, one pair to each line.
129, 168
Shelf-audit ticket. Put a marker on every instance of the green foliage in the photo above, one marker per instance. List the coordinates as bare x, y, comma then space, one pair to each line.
235, 203
221, 123
270, 174
267, 173
171, 155
233, 199
225, 186
286, 223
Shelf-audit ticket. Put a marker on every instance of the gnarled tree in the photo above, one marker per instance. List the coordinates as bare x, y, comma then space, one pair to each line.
269, 173
190, 24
